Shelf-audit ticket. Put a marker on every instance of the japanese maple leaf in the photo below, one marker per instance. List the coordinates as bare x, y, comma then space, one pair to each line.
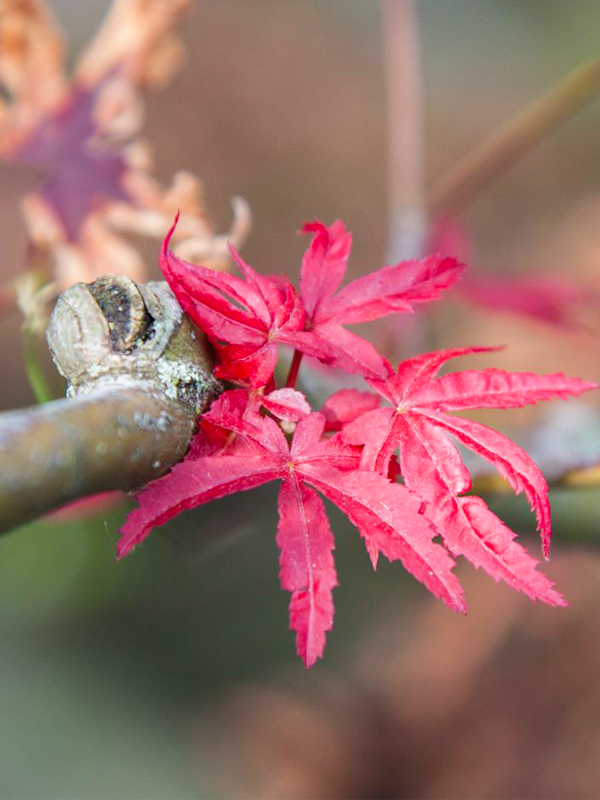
390, 290
246, 319
431, 465
286, 404
241, 454
546, 298
346, 405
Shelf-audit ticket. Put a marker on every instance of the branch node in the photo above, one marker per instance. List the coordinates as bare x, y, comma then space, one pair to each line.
114, 331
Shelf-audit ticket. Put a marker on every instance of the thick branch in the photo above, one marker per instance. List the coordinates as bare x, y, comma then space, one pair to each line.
113, 438
138, 374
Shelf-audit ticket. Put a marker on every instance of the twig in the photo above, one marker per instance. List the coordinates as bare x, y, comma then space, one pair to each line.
35, 374
495, 155
406, 166
575, 477
294, 369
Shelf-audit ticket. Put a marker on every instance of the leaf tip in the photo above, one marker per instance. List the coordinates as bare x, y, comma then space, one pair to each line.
308, 660
373, 552
123, 549
546, 534
457, 602
308, 652
553, 598
171, 231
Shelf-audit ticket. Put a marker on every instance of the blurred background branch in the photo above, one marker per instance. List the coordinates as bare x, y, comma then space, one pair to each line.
406, 142
478, 168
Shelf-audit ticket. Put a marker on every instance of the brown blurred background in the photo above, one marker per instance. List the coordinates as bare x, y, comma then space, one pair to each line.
172, 675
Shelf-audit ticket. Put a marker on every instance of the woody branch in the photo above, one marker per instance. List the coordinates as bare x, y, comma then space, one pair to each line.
138, 375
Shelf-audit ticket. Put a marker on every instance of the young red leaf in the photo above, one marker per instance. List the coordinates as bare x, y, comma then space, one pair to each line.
495, 388
287, 404
345, 406
307, 568
546, 298
390, 290
244, 319
388, 515
191, 483
431, 466
247, 318
511, 461
389, 518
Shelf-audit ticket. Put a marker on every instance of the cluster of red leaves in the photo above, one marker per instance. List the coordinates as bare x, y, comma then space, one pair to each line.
347, 451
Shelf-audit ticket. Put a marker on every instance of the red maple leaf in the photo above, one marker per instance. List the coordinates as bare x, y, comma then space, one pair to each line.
347, 453
390, 290
246, 319
244, 454
546, 298
346, 405
417, 424
287, 404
